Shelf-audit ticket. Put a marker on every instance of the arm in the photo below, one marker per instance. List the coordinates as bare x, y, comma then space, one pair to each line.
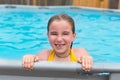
84, 58
29, 60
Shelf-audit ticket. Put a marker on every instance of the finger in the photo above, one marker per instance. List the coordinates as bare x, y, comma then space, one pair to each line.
23, 60
28, 63
36, 59
88, 63
79, 60
85, 63
30, 66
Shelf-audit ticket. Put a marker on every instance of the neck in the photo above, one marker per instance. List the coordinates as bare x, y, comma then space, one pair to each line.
62, 55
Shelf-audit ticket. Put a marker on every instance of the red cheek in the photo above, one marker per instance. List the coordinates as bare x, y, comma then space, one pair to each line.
51, 39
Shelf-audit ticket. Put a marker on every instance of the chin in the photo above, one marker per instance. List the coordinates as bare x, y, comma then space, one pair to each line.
59, 50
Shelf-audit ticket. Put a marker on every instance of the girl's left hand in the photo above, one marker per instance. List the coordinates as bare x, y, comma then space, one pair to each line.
86, 62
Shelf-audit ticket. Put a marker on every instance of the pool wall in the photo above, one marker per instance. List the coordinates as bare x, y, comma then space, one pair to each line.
13, 70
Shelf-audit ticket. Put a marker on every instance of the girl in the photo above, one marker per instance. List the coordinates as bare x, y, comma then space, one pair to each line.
61, 34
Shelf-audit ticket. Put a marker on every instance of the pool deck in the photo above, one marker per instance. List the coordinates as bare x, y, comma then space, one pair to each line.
12, 69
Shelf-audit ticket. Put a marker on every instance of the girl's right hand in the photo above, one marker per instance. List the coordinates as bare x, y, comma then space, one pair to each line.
28, 61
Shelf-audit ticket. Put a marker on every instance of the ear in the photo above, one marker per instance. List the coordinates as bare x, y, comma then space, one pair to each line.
47, 35
74, 36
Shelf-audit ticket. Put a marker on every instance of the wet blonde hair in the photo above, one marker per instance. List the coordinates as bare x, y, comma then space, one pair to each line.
62, 17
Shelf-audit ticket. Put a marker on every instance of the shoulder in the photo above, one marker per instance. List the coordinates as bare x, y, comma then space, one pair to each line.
43, 55
80, 52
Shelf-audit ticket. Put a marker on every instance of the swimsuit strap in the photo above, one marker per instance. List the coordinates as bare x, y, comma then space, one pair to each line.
73, 57
51, 56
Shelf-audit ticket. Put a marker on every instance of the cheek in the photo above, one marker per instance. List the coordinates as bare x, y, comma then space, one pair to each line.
51, 39
68, 39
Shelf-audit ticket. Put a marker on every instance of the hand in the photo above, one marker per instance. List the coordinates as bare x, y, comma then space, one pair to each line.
86, 62
28, 61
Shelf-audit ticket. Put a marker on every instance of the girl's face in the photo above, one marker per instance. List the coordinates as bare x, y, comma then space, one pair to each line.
61, 36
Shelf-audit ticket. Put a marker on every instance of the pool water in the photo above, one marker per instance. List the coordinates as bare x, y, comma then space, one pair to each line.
23, 31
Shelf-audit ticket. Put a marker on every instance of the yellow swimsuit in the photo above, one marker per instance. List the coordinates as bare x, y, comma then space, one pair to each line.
73, 58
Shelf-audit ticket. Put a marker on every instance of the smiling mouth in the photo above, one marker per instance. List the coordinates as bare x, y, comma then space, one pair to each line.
59, 45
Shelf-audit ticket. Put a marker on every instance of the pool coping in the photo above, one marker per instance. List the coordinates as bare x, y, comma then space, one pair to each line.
55, 7
59, 70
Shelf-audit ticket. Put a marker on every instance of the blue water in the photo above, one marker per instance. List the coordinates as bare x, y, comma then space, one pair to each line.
23, 31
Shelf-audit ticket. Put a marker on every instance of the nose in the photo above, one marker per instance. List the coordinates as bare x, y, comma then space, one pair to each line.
59, 38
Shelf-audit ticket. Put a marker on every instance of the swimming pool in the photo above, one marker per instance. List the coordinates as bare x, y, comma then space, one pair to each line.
23, 31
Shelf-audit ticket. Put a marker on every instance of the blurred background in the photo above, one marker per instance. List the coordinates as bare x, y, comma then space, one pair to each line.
109, 4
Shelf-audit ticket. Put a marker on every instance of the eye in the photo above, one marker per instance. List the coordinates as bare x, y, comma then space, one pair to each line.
65, 33
53, 33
